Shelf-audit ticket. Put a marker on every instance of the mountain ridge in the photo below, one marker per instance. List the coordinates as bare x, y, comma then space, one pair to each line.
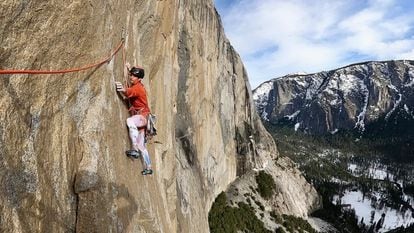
345, 98
333, 70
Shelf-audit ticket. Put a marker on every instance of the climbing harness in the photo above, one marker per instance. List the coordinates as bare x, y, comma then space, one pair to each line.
97, 64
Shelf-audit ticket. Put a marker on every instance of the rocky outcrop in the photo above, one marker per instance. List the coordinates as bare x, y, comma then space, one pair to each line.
293, 195
63, 136
350, 98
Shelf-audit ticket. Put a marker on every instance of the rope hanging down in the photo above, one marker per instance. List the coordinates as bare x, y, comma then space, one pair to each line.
66, 70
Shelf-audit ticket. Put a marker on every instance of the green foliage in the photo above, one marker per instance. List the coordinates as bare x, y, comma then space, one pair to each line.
292, 223
277, 218
280, 230
249, 201
409, 189
394, 142
226, 219
266, 185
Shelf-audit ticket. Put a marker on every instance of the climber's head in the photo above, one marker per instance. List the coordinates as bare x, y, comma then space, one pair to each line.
137, 72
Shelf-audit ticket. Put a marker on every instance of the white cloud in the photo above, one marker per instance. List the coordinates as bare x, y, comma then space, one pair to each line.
278, 37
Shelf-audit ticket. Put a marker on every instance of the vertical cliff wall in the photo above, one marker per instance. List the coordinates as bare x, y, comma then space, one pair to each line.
63, 136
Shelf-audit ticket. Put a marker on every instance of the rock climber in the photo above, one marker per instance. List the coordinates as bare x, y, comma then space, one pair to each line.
139, 111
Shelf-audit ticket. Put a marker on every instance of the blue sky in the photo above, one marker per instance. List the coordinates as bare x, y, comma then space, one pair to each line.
279, 37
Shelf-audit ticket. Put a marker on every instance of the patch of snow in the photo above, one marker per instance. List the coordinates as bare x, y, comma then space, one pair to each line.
375, 171
309, 94
408, 111
300, 82
347, 83
332, 87
262, 92
293, 95
264, 116
297, 126
290, 117
411, 74
329, 152
409, 199
379, 173
336, 101
338, 181
363, 209
393, 87
352, 167
260, 96
312, 88
299, 73
397, 102
361, 116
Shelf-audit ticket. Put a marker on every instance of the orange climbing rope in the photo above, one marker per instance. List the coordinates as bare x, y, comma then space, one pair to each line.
66, 70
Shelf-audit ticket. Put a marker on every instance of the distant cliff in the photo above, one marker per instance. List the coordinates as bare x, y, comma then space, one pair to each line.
63, 136
354, 98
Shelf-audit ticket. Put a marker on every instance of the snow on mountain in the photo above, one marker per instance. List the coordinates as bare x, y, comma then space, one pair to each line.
262, 90
365, 210
261, 97
346, 98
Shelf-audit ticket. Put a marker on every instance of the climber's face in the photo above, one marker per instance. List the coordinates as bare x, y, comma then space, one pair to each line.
133, 79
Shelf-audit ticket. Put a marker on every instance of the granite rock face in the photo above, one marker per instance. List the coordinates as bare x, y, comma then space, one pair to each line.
350, 98
63, 136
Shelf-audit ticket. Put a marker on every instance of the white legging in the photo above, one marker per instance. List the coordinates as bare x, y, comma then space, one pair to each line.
138, 136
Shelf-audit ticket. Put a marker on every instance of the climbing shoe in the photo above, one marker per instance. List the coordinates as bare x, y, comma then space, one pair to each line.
146, 172
133, 153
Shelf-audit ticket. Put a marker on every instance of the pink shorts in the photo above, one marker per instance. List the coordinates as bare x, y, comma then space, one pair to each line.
137, 120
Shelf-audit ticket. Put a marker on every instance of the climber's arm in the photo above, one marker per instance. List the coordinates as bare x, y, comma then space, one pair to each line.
121, 90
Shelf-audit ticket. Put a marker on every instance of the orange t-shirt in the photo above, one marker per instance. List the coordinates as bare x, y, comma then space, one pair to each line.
137, 95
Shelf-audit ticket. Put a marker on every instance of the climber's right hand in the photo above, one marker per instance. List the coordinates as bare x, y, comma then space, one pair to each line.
119, 87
